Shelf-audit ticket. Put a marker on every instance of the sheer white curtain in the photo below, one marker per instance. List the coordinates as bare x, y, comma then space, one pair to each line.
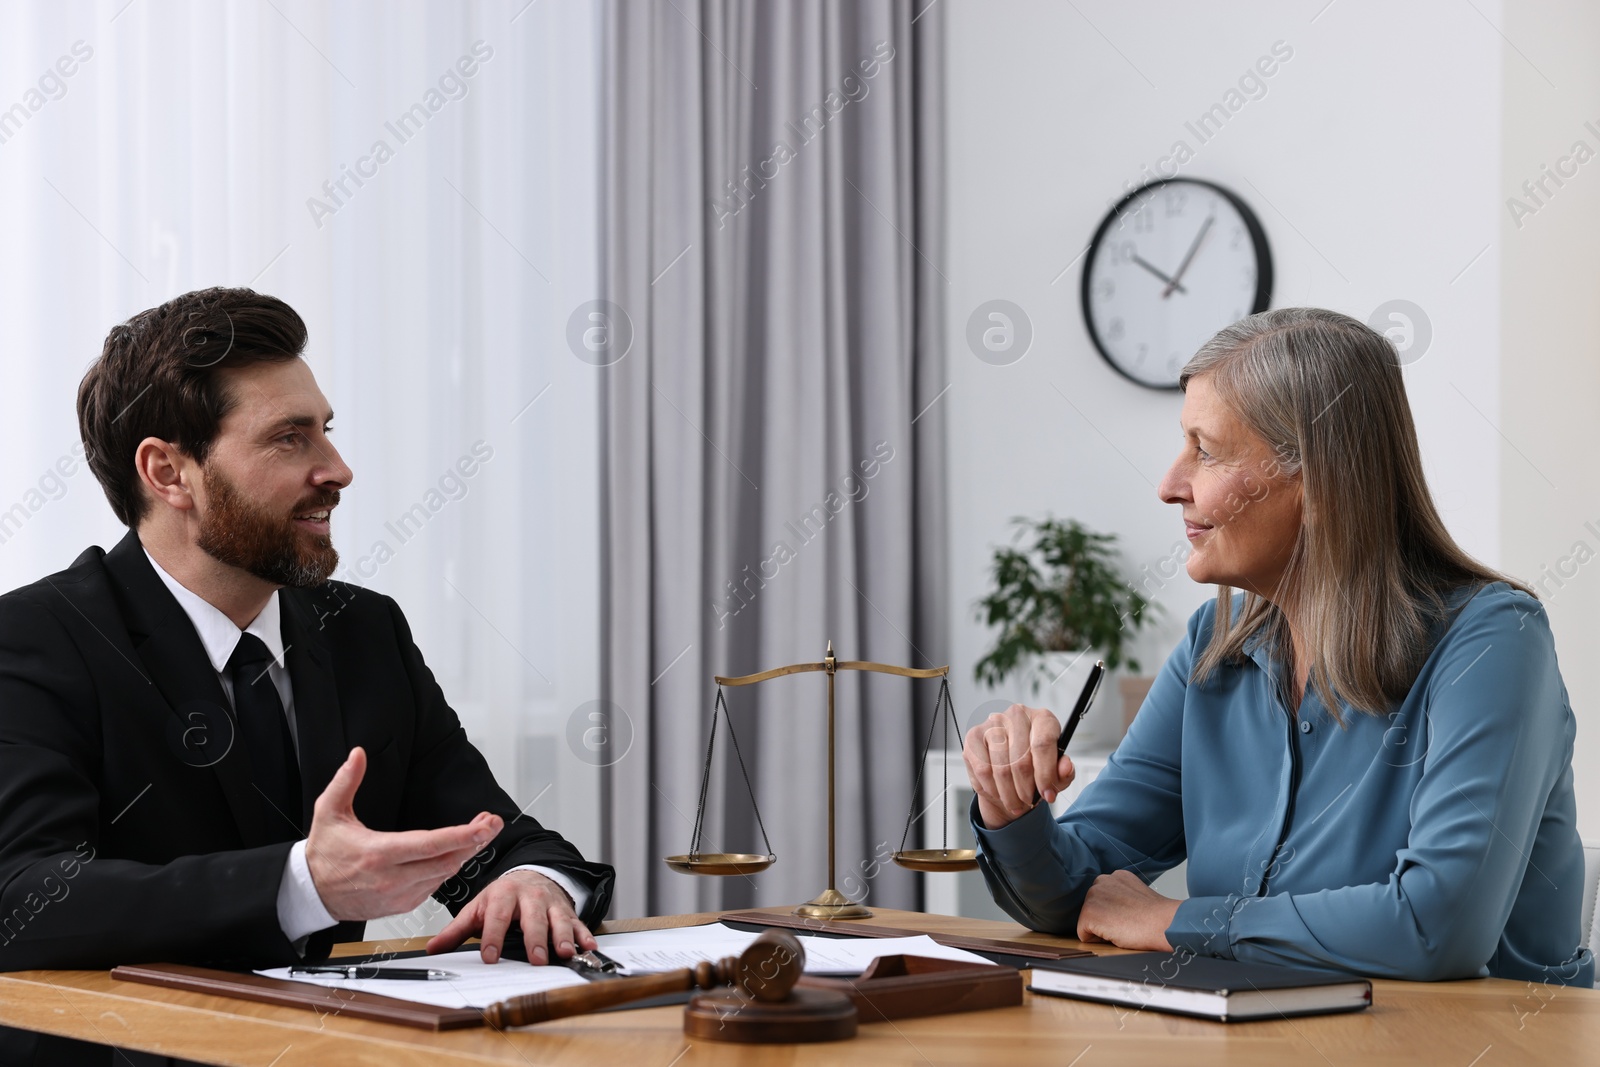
153, 147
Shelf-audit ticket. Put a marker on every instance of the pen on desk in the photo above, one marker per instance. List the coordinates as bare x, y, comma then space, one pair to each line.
596, 961
412, 974
1079, 710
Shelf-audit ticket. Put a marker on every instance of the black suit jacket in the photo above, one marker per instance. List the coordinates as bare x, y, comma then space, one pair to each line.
129, 828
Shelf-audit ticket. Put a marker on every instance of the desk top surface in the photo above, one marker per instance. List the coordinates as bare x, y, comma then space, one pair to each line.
1475, 1023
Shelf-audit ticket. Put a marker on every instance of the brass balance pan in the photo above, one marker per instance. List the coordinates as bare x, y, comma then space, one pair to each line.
720, 863
937, 859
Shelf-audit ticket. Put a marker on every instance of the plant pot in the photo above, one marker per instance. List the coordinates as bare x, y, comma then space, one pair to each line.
1134, 688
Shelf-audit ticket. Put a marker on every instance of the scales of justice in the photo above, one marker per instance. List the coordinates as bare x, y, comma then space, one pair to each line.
830, 903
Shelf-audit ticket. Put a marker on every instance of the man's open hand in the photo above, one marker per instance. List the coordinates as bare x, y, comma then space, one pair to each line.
541, 908
366, 874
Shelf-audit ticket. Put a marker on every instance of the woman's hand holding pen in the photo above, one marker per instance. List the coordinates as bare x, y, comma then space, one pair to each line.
1011, 759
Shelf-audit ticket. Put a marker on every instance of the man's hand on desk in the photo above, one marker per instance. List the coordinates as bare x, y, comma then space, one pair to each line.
1122, 910
541, 908
366, 874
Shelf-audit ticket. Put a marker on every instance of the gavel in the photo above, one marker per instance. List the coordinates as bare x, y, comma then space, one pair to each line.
766, 971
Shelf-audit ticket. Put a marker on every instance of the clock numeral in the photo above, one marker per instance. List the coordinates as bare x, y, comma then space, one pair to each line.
1193, 258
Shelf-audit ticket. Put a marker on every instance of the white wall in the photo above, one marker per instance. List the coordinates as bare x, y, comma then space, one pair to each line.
1550, 343
1375, 163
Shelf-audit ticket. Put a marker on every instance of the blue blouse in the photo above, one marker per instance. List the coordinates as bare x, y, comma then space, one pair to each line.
1438, 841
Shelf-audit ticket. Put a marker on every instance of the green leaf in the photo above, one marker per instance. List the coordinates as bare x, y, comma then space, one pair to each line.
1063, 592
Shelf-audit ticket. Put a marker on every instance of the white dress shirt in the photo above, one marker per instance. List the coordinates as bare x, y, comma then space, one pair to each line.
301, 912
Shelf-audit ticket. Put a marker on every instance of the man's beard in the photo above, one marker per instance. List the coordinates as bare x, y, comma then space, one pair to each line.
241, 534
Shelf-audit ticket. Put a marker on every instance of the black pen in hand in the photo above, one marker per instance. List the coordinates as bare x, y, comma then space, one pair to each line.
1079, 710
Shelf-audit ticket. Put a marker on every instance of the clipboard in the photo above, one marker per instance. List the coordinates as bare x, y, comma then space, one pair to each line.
323, 1000
327, 1000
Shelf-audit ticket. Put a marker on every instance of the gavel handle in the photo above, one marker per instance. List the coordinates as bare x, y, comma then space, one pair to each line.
591, 996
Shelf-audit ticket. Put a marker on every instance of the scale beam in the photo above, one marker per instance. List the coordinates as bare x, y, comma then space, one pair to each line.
839, 665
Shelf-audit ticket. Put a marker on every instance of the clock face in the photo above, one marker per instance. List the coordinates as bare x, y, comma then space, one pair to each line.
1173, 263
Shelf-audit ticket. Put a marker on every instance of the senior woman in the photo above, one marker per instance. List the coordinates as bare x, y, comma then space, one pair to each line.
1363, 746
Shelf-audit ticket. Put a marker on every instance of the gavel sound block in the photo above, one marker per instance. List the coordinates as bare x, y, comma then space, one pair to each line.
760, 1006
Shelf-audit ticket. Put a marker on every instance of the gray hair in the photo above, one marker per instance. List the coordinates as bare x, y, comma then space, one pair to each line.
1371, 566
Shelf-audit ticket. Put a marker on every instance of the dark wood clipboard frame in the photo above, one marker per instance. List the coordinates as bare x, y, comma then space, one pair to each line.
323, 1000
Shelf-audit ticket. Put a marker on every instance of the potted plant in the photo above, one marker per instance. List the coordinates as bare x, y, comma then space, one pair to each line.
1062, 593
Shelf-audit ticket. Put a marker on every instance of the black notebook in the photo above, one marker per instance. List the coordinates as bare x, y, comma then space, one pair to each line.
1224, 990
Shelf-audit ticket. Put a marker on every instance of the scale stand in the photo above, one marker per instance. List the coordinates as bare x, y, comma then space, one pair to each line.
830, 903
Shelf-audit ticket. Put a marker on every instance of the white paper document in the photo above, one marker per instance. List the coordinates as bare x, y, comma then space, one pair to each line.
479, 985
641, 952
647, 951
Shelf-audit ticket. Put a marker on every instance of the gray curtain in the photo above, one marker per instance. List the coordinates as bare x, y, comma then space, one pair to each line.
773, 430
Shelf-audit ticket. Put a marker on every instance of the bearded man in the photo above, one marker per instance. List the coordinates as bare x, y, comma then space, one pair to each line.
210, 752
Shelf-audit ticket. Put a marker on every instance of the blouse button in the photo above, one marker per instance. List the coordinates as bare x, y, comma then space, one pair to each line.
1305, 726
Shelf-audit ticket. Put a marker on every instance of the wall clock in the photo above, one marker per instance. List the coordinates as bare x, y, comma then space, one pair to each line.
1171, 264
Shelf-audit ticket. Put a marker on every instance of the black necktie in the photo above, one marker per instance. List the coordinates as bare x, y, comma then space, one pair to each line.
264, 729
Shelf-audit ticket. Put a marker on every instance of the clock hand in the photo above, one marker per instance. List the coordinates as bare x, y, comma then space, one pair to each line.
1171, 282
1193, 248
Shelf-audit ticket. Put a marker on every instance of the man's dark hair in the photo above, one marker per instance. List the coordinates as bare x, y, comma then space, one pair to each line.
157, 377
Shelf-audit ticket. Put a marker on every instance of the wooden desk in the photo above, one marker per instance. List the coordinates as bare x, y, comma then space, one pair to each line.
1479, 1023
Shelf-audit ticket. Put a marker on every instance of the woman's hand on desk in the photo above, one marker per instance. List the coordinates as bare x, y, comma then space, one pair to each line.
1010, 756
1122, 910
